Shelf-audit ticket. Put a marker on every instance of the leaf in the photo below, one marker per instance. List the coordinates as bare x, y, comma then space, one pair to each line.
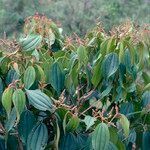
146, 77
39, 100
132, 137
146, 99
111, 146
29, 77
57, 78
2, 144
68, 142
12, 75
19, 101
120, 145
12, 142
7, 100
89, 121
96, 74
37, 140
113, 135
30, 42
26, 123
127, 60
127, 108
82, 55
40, 73
11, 120
72, 124
146, 140
125, 124
106, 91
1, 88
36, 54
100, 137
110, 65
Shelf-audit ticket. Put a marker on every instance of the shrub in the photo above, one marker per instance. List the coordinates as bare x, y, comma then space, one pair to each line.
90, 93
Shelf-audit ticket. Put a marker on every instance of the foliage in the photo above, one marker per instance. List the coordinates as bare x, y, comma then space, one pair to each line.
90, 93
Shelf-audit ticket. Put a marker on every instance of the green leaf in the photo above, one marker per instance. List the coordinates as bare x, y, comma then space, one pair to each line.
110, 65
82, 55
146, 140
1, 88
29, 77
146, 77
89, 121
30, 42
100, 137
26, 123
7, 100
120, 145
40, 73
39, 100
146, 99
37, 140
125, 124
57, 78
72, 124
96, 74
113, 135
19, 101
111, 146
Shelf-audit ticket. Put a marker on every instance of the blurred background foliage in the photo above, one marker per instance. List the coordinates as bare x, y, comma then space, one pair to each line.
73, 15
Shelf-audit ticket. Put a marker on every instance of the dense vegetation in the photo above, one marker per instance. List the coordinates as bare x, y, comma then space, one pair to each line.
73, 93
74, 15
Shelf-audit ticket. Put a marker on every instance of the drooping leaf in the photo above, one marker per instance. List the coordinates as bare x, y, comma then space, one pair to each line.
29, 77
110, 65
96, 74
82, 55
56, 78
7, 99
100, 137
38, 137
89, 121
19, 101
39, 100
125, 124
26, 123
